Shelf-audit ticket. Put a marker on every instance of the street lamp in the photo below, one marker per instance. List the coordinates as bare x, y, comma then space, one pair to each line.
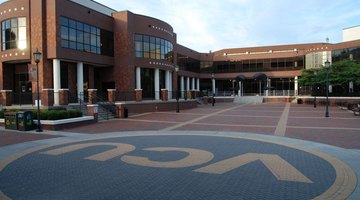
37, 56
177, 91
327, 67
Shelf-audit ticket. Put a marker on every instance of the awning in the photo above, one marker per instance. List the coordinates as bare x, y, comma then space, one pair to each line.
260, 76
240, 78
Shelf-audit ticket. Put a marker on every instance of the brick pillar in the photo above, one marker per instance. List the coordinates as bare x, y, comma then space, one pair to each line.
189, 94
205, 100
47, 97
93, 110
120, 110
92, 95
6, 97
138, 94
164, 94
193, 94
112, 95
63, 97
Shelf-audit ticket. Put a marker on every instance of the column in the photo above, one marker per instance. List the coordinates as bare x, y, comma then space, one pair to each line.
240, 89
182, 86
188, 83
138, 78
57, 80
296, 86
80, 80
192, 83
170, 85
213, 86
268, 84
157, 83
198, 84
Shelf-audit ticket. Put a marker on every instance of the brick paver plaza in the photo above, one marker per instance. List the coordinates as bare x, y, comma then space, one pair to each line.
229, 151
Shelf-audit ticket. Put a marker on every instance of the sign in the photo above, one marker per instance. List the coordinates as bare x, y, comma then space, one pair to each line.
32, 71
174, 167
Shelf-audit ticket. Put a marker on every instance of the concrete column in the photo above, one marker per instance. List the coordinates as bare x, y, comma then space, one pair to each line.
296, 86
192, 83
188, 83
240, 89
57, 80
182, 86
198, 84
268, 83
157, 83
213, 86
170, 91
138, 78
80, 80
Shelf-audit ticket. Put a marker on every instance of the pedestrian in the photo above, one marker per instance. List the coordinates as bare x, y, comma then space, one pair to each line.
213, 100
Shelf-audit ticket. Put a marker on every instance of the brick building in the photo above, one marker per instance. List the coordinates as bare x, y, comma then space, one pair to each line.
86, 45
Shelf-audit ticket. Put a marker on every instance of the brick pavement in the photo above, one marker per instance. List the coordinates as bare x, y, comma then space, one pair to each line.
160, 162
341, 129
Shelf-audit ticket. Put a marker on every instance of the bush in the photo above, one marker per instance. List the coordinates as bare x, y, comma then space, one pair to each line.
51, 114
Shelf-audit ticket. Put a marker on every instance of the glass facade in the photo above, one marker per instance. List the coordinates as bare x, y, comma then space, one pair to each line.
341, 54
188, 64
258, 65
13, 33
153, 47
84, 37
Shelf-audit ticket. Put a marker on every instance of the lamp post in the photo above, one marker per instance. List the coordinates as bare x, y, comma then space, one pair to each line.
327, 67
177, 91
37, 56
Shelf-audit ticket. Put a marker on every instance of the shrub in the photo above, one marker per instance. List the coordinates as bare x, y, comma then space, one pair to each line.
51, 114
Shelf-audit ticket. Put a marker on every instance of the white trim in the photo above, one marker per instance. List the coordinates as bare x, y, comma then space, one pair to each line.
66, 121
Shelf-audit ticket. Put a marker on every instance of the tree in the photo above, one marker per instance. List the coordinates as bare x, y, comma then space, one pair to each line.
340, 75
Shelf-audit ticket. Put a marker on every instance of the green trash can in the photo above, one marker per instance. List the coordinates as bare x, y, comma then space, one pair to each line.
10, 120
25, 121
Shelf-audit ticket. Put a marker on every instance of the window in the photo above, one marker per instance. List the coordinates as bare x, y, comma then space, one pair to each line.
13, 33
153, 47
84, 37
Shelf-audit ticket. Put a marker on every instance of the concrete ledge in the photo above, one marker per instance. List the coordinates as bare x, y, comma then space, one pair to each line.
65, 121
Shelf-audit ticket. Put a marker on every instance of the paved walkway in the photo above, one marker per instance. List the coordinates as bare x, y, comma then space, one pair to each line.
203, 153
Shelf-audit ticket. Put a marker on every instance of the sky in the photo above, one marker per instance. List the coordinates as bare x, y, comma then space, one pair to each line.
210, 25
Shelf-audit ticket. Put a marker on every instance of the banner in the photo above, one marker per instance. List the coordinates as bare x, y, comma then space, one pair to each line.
32, 71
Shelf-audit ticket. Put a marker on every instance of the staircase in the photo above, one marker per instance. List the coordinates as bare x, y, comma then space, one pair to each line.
106, 111
248, 99
77, 106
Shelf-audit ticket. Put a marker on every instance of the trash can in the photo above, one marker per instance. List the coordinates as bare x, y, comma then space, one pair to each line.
126, 112
10, 120
299, 101
25, 121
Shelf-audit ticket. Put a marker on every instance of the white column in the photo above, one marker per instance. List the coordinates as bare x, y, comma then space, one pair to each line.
80, 80
182, 86
57, 80
198, 84
268, 83
167, 79
296, 86
192, 83
138, 78
213, 86
188, 83
240, 89
170, 85
157, 84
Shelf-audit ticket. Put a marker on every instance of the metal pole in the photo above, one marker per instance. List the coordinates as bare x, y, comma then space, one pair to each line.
38, 99
327, 93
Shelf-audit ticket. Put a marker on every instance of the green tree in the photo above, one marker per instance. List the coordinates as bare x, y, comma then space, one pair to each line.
340, 75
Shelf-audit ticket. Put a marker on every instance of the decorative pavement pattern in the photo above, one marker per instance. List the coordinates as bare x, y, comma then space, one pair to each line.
174, 163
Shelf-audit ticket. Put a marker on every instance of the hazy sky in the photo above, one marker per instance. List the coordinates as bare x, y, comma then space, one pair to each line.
205, 25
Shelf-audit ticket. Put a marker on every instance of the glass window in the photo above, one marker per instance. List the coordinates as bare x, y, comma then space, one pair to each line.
79, 26
72, 24
72, 34
64, 21
64, 33
83, 37
13, 33
153, 47
138, 37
